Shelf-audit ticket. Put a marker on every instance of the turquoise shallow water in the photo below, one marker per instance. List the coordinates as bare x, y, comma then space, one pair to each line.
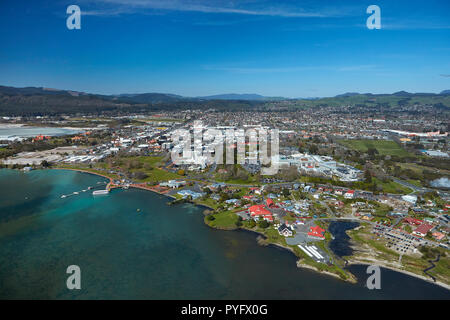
27, 132
161, 252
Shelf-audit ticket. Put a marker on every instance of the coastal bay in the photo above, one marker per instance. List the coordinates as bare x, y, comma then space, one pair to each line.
159, 252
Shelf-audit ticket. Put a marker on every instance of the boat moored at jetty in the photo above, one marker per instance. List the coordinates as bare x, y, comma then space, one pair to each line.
99, 192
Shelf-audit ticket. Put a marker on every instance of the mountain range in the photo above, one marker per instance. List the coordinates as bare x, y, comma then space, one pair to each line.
31, 100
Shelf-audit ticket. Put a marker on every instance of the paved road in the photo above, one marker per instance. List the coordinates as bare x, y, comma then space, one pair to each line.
330, 212
411, 186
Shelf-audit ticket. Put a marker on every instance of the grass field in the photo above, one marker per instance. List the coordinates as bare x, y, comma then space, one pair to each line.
420, 168
161, 120
208, 202
417, 183
384, 147
223, 220
154, 173
392, 187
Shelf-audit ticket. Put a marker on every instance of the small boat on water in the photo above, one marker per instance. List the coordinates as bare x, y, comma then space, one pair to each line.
99, 192
76, 192
63, 196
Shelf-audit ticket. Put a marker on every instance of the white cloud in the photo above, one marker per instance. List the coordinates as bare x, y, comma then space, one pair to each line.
245, 70
117, 7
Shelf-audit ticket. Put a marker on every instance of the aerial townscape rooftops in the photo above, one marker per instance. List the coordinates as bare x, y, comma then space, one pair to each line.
243, 150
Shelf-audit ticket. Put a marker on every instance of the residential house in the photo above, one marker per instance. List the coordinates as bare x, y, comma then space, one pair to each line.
285, 230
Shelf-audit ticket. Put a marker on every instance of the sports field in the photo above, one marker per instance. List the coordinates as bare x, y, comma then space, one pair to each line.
384, 147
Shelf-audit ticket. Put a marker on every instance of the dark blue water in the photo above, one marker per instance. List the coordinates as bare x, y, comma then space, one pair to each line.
159, 252
340, 245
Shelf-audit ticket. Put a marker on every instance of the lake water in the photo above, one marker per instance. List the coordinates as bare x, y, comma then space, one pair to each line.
18, 133
159, 252
340, 245
443, 182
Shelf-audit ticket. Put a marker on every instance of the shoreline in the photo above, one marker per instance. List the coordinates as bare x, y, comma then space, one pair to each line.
354, 260
409, 273
11, 125
352, 279
298, 263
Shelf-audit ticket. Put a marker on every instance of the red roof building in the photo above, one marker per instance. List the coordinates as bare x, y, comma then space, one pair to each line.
259, 210
413, 221
269, 202
349, 194
423, 229
317, 232
438, 235
41, 138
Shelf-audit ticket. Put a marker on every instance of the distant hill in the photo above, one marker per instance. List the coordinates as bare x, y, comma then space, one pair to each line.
348, 94
39, 100
237, 96
150, 97
165, 97
401, 98
37, 91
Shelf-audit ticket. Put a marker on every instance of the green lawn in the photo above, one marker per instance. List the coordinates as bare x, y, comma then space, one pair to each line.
272, 235
223, 220
151, 160
417, 183
384, 147
208, 202
150, 166
392, 187
161, 120
158, 175
250, 181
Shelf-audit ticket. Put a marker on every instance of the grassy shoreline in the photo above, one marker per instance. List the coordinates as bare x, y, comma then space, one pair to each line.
303, 261
384, 257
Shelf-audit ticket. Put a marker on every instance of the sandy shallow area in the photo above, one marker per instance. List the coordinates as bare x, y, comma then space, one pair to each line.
11, 125
36, 157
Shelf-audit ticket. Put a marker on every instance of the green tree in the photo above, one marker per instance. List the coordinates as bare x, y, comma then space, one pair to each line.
368, 176
251, 223
263, 224
372, 152
45, 164
313, 149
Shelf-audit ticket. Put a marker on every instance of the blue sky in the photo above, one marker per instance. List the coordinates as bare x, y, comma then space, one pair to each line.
203, 47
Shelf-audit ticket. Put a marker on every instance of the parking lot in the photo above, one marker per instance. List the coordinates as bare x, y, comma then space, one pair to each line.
398, 241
